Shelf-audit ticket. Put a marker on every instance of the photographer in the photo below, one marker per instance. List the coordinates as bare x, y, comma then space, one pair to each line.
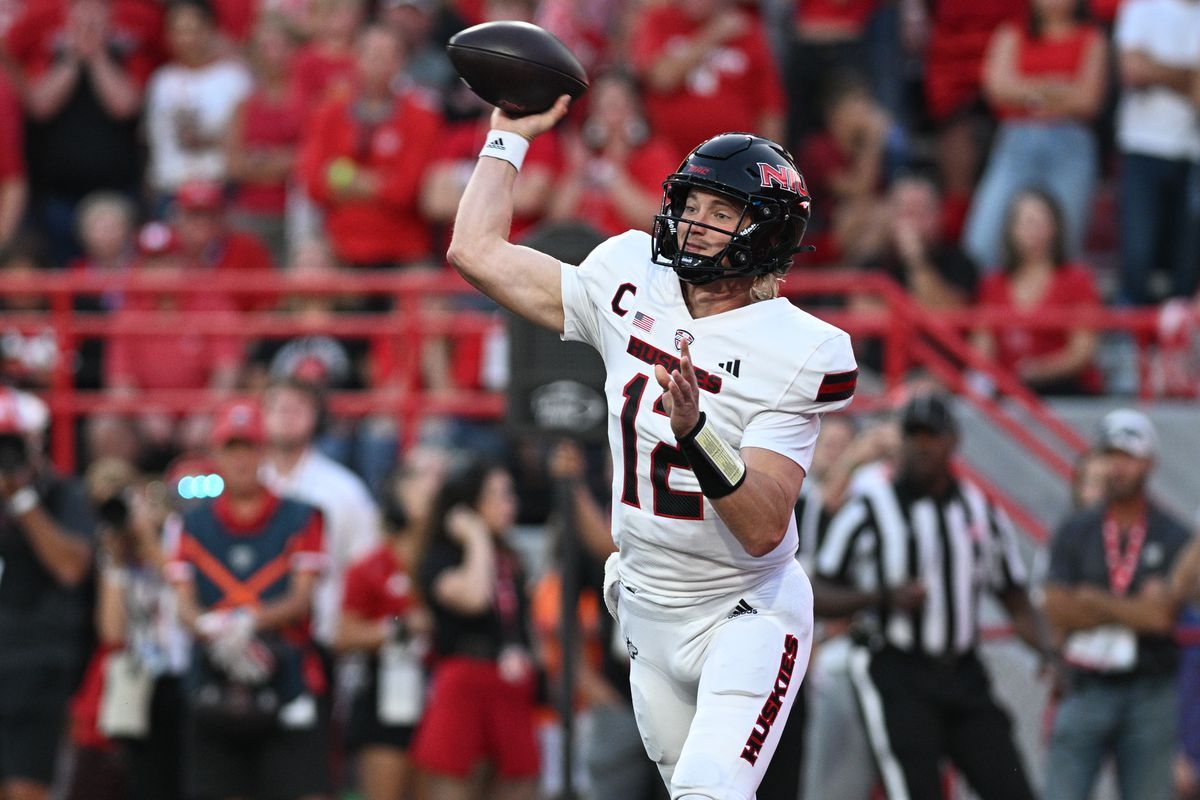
137, 626
46, 534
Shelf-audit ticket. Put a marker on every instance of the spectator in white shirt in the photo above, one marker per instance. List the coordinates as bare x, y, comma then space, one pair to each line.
1158, 133
295, 468
190, 101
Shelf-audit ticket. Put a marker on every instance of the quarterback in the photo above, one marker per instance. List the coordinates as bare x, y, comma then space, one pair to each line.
715, 389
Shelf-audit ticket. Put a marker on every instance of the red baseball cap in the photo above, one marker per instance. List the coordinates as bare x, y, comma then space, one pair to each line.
10, 413
200, 195
240, 420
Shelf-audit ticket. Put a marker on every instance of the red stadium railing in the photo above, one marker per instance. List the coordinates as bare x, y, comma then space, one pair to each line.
911, 336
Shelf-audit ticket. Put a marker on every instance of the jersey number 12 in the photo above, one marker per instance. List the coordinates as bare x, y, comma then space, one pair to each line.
663, 458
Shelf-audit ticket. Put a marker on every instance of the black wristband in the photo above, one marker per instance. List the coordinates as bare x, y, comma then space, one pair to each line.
717, 466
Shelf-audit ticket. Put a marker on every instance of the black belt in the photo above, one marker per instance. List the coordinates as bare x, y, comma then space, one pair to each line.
877, 643
480, 647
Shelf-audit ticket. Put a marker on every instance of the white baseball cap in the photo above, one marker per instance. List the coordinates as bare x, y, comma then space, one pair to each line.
1128, 431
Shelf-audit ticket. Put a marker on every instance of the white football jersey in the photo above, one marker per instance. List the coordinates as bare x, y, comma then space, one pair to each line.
766, 371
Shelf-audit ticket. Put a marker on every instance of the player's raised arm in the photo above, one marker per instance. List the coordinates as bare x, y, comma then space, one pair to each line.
521, 279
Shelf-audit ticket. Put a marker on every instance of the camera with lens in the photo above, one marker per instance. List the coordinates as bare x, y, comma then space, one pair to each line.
114, 511
111, 484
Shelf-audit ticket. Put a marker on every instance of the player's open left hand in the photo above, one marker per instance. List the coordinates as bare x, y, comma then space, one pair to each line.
681, 393
534, 124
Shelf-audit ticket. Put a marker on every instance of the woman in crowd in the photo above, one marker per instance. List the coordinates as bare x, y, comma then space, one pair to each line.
481, 706
1036, 276
264, 135
1045, 80
381, 618
615, 162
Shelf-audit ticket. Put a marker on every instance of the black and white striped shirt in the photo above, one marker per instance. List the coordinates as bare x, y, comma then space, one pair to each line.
958, 546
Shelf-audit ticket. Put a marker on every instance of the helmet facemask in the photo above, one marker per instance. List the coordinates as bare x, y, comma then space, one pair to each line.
762, 241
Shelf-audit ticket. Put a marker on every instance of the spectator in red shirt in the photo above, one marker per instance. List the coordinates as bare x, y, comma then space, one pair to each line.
615, 164
325, 66
364, 157
236, 19
847, 166
84, 64
208, 242
184, 359
958, 35
451, 166
264, 137
136, 360
707, 70
27, 358
1036, 279
381, 618
1045, 79
594, 30
469, 118
14, 188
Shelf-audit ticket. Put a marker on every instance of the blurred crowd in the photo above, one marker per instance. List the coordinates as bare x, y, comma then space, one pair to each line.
251, 622
1015, 154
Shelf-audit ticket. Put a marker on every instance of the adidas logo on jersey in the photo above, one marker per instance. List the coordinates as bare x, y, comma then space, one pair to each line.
741, 609
732, 367
495, 144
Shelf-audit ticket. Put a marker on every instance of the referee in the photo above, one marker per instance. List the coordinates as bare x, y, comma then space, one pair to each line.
913, 551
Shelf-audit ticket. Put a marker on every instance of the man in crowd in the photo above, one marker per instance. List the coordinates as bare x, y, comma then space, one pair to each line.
245, 569
46, 545
1158, 55
295, 468
936, 271
363, 158
1108, 591
84, 64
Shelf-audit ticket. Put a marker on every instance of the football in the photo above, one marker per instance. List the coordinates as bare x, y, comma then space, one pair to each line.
517, 66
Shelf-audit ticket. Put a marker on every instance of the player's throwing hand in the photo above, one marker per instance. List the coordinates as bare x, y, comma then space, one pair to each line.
534, 124
681, 393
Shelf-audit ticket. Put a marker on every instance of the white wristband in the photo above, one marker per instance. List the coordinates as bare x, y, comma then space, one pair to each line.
23, 501
506, 146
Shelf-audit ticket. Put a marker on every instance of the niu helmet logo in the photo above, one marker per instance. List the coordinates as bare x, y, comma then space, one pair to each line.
682, 336
781, 176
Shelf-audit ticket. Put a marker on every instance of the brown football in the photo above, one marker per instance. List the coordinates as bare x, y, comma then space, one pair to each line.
517, 66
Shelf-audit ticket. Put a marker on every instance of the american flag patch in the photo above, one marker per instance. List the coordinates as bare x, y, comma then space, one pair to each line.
643, 321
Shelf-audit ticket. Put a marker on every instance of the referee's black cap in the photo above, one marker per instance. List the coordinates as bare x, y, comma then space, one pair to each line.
928, 412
